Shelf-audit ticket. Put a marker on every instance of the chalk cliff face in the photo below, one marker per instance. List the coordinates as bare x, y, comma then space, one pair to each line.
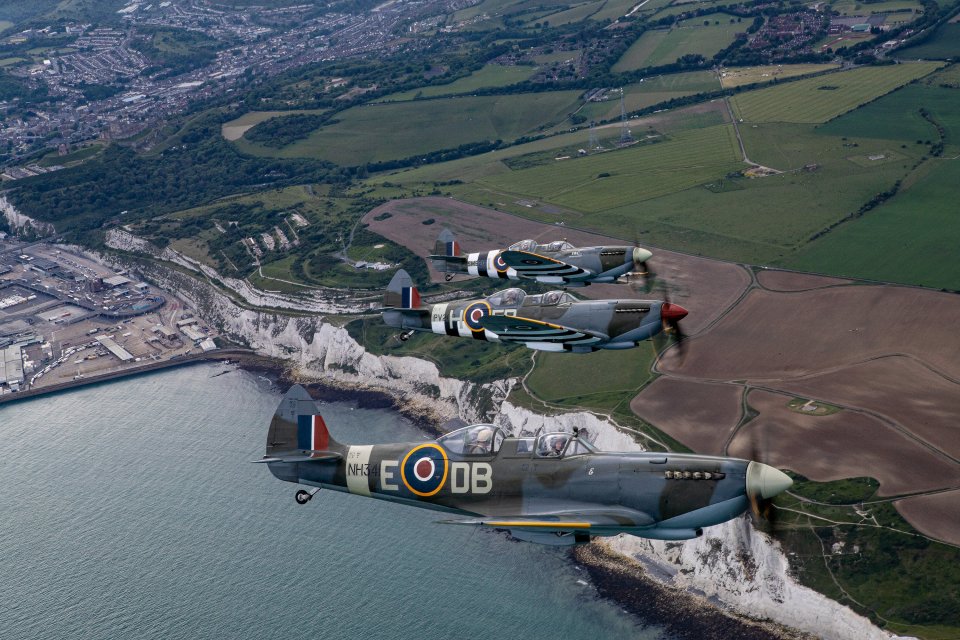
733, 564
19, 222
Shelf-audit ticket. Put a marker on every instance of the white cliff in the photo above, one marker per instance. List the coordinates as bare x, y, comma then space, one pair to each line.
19, 222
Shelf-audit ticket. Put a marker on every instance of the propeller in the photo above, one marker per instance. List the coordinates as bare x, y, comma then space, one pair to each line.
764, 483
671, 314
642, 268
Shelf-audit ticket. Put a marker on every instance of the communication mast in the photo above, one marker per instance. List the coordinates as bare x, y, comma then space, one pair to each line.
625, 137
594, 143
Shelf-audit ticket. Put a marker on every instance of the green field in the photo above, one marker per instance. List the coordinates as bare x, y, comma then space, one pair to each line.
945, 43
651, 91
604, 380
629, 175
739, 76
4, 25
824, 97
897, 116
492, 75
8, 62
911, 238
576, 13
663, 46
235, 129
391, 131
859, 8
613, 9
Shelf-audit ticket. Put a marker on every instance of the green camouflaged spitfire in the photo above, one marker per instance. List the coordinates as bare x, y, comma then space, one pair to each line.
554, 488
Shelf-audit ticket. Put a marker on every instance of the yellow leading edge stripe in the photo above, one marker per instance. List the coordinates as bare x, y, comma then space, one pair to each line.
520, 523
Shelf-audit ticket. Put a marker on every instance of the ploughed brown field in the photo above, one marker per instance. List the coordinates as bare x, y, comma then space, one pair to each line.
831, 447
704, 420
936, 515
791, 281
887, 356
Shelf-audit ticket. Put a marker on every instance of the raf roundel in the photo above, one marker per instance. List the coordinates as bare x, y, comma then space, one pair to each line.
424, 469
474, 313
500, 264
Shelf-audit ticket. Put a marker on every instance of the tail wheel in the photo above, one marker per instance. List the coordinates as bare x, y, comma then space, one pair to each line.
303, 497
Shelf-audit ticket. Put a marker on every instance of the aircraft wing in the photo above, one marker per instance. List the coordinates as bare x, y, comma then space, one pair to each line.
582, 519
518, 329
533, 265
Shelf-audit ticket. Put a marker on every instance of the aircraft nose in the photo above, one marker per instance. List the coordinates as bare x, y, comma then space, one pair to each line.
641, 255
671, 312
765, 481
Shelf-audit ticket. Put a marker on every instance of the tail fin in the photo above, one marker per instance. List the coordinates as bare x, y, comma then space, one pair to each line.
447, 245
298, 433
401, 293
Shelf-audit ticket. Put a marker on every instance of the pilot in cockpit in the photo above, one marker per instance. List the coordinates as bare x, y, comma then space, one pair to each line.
480, 441
510, 297
552, 446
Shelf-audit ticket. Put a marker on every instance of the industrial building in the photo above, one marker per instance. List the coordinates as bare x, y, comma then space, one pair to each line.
115, 349
11, 367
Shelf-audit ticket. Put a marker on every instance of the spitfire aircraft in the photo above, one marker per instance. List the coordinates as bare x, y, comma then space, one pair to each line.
553, 488
553, 321
555, 263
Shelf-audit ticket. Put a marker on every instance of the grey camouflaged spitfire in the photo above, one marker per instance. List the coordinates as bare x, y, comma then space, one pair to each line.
553, 321
553, 488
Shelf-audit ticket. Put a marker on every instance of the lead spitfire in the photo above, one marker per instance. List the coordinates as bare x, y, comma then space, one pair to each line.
553, 321
552, 489
555, 263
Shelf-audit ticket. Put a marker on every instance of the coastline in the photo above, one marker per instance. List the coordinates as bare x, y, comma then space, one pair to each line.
624, 581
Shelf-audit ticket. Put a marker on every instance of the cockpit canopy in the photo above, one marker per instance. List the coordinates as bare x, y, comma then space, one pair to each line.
559, 245
549, 298
507, 298
524, 245
475, 440
532, 245
559, 444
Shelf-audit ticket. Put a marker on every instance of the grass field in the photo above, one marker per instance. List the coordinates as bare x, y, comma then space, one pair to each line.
235, 129
603, 379
4, 25
897, 116
912, 238
691, 36
739, 76
492, 75
613, 9
651, 91
859, 8
824, 97
630, 175
7, 62
373, 133
577, 13
945, 43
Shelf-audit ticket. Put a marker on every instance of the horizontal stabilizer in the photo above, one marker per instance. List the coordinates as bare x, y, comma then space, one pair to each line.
517, 329
301, 456
450, 259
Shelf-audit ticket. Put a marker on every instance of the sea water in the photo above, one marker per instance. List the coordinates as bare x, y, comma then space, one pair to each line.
131, 510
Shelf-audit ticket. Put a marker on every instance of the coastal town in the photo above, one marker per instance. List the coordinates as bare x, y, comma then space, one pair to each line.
100, 85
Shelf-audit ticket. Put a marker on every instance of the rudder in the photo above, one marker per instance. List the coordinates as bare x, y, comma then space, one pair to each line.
401, 292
